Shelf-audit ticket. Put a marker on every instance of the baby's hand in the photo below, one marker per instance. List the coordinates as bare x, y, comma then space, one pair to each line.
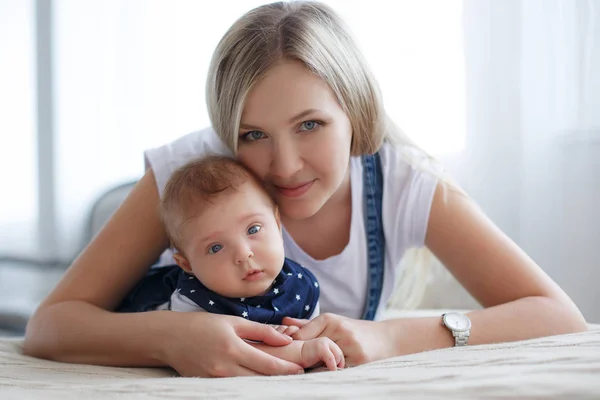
322, 350
286, 330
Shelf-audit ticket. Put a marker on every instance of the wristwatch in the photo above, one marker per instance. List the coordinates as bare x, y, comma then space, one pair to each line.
459, 325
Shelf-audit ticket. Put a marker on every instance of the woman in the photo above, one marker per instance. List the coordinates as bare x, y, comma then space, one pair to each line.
290, 96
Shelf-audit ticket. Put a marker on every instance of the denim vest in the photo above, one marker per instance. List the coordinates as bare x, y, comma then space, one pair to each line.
373, 194
159, 284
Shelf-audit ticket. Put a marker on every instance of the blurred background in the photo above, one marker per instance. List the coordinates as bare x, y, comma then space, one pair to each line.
505, 93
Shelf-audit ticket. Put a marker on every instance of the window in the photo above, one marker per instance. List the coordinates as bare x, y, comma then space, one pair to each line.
18, 158
129, 75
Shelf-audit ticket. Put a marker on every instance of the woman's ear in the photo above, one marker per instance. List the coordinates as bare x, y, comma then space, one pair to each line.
183, 263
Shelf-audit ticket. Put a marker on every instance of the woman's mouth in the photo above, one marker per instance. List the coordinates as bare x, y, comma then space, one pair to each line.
294, 190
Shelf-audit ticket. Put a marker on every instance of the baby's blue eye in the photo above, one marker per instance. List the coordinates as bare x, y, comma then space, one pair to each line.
253, 229
215, 248
308, 125
253, 135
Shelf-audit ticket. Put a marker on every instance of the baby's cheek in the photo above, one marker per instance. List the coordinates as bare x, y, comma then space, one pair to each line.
278, 256
277, 253
212, 275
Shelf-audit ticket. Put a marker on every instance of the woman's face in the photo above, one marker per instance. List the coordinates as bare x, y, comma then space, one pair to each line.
295, 136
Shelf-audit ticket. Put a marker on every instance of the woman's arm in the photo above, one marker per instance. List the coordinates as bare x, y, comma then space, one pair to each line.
73, 323
520, 300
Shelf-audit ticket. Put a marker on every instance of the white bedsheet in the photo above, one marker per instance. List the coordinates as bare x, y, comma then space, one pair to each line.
566, 366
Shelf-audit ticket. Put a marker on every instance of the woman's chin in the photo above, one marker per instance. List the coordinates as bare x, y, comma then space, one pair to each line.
298, 211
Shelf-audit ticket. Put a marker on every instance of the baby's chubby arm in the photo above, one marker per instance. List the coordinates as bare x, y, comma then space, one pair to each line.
308, 353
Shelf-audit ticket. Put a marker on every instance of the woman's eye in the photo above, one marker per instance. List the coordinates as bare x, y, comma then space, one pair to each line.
215, 248
252, 135
253, 229
309, 125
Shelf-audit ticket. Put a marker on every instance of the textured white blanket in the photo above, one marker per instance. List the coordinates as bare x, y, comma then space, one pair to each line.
566, 366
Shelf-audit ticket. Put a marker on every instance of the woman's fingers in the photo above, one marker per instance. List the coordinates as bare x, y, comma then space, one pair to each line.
290, 330
258, 361
295, 321
261, 333
234, 370
280, 328
309, 329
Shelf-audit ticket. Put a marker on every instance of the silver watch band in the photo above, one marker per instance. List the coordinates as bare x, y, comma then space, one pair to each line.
460, 339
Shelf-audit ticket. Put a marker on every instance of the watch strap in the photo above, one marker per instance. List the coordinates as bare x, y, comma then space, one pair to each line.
460, 339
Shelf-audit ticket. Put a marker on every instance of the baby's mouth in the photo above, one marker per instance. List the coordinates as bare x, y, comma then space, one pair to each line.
253, 275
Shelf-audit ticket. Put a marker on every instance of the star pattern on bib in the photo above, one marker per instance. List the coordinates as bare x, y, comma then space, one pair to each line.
294, 292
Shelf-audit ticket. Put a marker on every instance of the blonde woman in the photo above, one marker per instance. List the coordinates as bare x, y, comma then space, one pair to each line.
291, 97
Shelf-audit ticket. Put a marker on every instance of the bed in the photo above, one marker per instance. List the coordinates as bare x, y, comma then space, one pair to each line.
566, 366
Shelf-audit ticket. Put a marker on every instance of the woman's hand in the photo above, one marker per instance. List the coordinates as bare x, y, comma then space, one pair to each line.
212, 345
360, 341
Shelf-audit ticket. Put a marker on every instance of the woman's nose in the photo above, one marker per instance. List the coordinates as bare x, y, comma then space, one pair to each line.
285, 160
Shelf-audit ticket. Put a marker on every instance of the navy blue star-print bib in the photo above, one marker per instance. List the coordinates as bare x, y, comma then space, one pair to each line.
294, 293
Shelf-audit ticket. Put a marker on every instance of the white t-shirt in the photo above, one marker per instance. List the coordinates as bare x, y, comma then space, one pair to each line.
407, 197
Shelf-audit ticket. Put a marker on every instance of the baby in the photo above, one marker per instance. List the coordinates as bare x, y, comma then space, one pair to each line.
226, 231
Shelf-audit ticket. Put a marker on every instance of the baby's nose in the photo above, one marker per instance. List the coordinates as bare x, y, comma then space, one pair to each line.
244, 256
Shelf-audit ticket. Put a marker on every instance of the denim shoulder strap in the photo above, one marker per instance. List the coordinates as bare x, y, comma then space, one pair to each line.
373, 194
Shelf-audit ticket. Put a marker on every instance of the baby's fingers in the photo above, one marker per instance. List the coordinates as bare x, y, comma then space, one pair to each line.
331, 355
330, 361
286, 330
290, 330
280, 328
338, 355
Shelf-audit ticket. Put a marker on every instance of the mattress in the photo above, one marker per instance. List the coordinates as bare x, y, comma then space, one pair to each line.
565, 366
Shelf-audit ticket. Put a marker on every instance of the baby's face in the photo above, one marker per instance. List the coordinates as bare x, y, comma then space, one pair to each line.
234, 246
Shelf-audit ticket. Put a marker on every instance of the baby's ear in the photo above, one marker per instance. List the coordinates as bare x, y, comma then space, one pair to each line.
183, 263
277, 216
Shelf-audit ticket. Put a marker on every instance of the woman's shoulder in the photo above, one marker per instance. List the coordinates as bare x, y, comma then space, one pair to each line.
189, 146
404, 159
399, 165
410, 178
167, 158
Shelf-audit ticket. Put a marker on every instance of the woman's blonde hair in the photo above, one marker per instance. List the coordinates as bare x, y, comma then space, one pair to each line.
312, 33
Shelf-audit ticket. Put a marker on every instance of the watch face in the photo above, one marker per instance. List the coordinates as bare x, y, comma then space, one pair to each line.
457, 322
